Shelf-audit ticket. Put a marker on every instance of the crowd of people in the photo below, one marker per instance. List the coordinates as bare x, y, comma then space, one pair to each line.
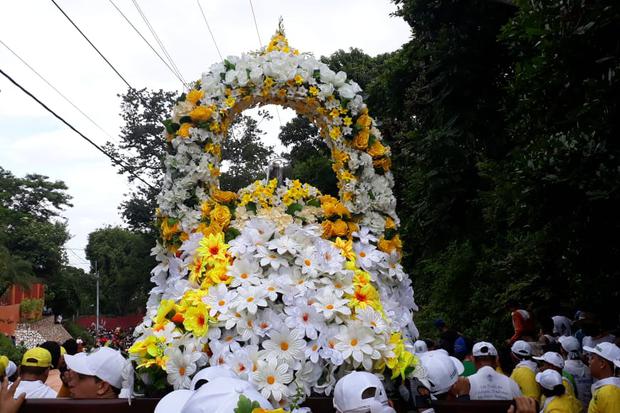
118, 338
568, 367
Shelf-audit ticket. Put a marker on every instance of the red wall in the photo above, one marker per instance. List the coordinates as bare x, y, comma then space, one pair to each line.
16, 294
110, 323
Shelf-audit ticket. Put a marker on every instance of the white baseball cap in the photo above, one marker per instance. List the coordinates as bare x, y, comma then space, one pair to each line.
11, 368
210, 373
549, 379
221, 395
483, 348
420, 347
174, 401
553, 358
349, 394
570, 344
441, 371
521, 348
608, 351
104, 363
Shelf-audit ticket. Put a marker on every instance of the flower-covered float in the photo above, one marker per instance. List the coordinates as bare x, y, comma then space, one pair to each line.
288, 287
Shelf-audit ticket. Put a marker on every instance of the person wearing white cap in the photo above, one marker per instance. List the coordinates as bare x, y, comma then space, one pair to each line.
222, 395
555, 398
441, 376
174, 401
420, 347
554, 361
487, 383
561, 326
524, 373
98, 375
361, 392
571, 350
606, 391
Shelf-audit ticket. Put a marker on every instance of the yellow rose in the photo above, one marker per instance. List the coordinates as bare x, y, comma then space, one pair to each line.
328, 227
220, 215
361, 139
193, 96
340, 228
184, 130
384, 163
222, 196
389, 223
351, 228
376, 149
201, 114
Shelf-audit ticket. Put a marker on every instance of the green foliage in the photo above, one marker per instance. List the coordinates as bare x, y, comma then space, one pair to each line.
29, 305
77, 331
123, 261
13, 352
71, 291
246, 405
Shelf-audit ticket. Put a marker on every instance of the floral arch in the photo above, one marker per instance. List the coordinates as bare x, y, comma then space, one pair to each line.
289, 288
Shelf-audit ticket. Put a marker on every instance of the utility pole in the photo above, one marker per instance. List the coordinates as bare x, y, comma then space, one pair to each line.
97, 309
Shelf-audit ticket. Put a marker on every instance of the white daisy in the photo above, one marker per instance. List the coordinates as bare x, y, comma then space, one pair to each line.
308, 261
250, 298
327, 342
330, 305
270, 258
219, 299
304, 318
312, 351
271, 287
240, 362
331, 260
266, 321
371, 318
230, 340
355, 342
367, 255
391, 266
364, 235
244, 271
283, 245
180, 367
285, 344
271, 379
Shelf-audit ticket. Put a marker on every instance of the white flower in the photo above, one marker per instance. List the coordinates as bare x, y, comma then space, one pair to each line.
270, 258
331, 260
271, 379
285, 344
346, 91
330, 305
371, 318
244, 271
271, 288
219, 299
342, 284
328, 351
307, 260
304, 318
240, 362
230, 340
250, 298
180, 366
283, 245
312, 351
355, 342
364, 235
266, 321
367, 255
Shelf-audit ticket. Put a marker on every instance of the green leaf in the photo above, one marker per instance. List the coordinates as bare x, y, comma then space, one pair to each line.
228, 65
251, 206
181, 98
185, 119
245, 405
231, 233
314, 202
171, 127
292, 208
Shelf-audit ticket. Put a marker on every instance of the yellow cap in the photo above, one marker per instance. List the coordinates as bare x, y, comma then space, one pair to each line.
37, 357
62, 351
4, 362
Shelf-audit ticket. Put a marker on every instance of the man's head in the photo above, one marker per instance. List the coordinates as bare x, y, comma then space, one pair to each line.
98, 375
35, 365
441, 370
54, 349
512, 305
550, 360
570, 347
521, 350
484, 354
602, 358
361, 391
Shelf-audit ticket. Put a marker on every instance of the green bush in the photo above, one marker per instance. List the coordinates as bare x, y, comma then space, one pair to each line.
13, 352
79, 332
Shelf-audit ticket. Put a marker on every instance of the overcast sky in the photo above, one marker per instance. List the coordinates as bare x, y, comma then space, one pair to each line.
34, 142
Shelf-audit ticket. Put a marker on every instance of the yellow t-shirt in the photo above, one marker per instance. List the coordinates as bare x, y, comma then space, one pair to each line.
526, 379
562, 404
605, 399
568, 397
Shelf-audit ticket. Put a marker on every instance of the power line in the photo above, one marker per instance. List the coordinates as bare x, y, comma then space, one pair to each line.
56, 90
146, 41
158, 40
209, 28
260, 42
100, 149
91, 43
81, 260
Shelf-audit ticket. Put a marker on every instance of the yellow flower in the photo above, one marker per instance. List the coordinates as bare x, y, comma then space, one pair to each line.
299, 80
268, 82
230, 101
214, 127
222, 196
194, 96
213, 248
376, 149
196, 319
364, 296
201, 114
335, 133
347, 121
384, 163
339, 228
361, 278
361, 139
388, 246
346, 248
313, 90
214, 149
184, 129
205, 208
364, 121
167, 230
328, 229
219, 274
220, 215
389, 223
261, 410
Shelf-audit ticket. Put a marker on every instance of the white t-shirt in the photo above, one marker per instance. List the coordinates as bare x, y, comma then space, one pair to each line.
487, 384
35, 390
588, 341
583, 380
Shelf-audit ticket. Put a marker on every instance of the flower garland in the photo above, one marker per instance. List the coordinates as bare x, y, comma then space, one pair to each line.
288, 287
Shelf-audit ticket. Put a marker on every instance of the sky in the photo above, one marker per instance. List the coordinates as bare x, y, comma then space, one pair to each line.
33, 141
